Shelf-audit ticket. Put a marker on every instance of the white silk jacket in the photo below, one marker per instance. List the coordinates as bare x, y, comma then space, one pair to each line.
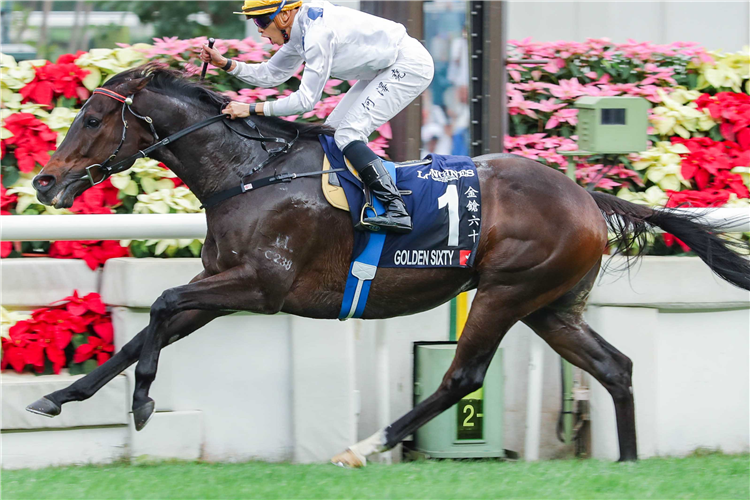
332, 41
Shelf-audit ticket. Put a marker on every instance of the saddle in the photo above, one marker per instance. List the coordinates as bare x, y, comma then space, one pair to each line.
334, 193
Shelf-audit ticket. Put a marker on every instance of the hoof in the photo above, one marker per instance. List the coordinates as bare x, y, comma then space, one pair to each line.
348, 460
143, 414
44, 407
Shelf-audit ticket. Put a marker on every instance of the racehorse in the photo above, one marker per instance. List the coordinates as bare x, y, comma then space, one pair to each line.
540, 248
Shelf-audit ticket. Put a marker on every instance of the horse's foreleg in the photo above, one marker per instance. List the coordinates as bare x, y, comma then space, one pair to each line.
487, 324
568, 334
231, 290
181, 326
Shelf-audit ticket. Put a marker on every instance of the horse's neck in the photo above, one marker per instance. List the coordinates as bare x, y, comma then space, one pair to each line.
210, 159
214, 158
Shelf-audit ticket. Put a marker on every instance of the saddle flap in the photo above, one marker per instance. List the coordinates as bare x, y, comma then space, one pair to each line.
334, 194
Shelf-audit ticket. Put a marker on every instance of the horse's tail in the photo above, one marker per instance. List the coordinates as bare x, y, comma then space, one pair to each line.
631, 222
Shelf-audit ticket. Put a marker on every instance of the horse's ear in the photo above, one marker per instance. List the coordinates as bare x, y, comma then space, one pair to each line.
136, 84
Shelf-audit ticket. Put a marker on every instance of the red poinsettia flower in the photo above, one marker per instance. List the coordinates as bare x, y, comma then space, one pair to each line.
14, 347
79, 306
6, 248
95, 347
48, 333
32, 138
69, 58
6, 201
698, 199
94, 253
49, 345
709, 163
670, 239
97, 199
53, 80
732, 110
60, 319
103, 328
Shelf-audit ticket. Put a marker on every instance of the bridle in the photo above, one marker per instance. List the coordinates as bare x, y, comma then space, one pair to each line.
108, 169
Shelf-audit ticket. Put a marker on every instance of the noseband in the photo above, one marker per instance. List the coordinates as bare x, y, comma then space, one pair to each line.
107, 170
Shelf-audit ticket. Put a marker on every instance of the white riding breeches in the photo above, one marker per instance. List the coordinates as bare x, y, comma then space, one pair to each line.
371, 103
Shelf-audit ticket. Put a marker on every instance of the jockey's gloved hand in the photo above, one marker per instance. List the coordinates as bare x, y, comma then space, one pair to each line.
212, 56
236, 109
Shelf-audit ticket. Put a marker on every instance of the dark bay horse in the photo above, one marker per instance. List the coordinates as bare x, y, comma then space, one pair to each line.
540, 249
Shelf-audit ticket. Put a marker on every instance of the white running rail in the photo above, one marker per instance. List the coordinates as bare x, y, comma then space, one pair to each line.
176, 226
102, 227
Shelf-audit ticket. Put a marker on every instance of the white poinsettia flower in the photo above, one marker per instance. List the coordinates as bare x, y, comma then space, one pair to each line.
150, 203
14, 105
151, 175
60, 119
27, 196
150, 185
124, 182
679, 115
162, 201
7, 61
653, 196
14, 75
662, 164
737, 202
171, 244
146, 167
744, 173
104, 63
726, 71
8, 319
93, 79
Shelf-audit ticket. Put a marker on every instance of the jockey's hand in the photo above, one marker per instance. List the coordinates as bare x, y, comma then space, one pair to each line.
212, 56
236, 109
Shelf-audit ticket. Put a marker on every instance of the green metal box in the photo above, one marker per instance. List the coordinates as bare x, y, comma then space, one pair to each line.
471, 429
612, 124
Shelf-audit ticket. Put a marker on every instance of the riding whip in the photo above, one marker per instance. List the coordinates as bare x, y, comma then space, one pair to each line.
205, 64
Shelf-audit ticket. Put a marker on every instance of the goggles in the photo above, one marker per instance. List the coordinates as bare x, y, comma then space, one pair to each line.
263, 21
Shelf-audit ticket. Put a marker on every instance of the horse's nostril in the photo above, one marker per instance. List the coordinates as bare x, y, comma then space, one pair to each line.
43, 183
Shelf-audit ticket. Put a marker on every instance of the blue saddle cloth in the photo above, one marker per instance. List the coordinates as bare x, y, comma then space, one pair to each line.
445, 206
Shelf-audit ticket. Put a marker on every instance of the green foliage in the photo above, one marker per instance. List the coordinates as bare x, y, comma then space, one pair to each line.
10, 172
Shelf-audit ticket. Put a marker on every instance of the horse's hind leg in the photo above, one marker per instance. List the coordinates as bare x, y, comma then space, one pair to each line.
487, 324
565, 330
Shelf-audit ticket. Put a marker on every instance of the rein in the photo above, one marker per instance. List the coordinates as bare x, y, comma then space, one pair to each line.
122, 165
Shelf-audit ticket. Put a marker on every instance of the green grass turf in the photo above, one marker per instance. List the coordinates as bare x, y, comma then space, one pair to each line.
710, 477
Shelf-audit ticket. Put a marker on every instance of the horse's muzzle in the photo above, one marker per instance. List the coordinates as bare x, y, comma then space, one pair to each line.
43, 183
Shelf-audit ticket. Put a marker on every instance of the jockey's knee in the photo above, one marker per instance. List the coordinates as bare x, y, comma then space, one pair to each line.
346, 135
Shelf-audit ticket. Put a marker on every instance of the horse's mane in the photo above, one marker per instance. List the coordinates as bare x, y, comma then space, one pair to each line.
175, 84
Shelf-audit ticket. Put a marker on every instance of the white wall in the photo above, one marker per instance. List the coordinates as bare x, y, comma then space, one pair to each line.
687, 333
714, 25
288, 388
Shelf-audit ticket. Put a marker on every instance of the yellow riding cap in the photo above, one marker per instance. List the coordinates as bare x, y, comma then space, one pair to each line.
261, 7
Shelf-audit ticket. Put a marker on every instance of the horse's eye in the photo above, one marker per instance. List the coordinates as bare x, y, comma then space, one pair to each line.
92, 122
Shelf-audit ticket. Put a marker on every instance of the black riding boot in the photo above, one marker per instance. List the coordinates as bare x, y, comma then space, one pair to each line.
376, 177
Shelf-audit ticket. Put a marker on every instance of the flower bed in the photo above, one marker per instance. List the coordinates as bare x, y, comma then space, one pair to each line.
74, 333
699, 152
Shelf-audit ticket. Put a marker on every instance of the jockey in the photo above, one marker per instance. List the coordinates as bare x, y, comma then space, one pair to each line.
391, 69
